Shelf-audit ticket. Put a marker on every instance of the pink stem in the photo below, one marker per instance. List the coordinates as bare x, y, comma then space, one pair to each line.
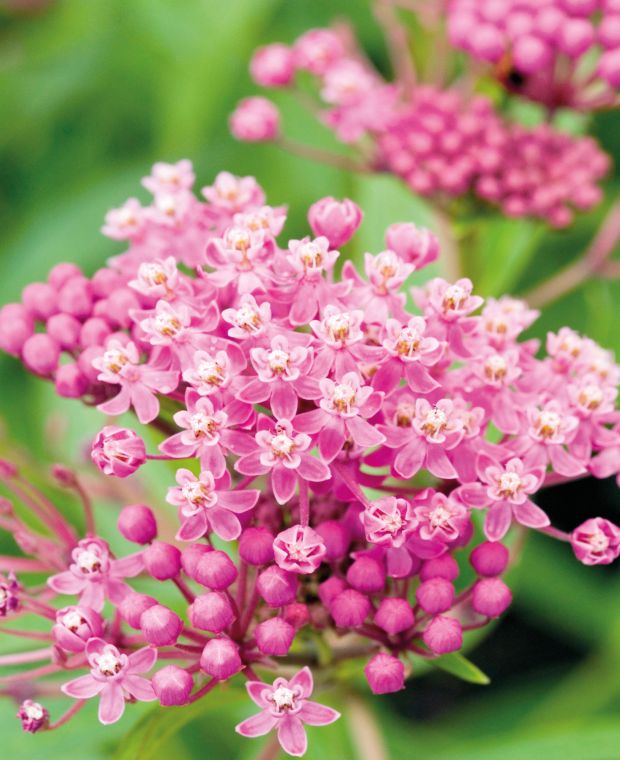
23, 657
204, 690
75, 708
304, 503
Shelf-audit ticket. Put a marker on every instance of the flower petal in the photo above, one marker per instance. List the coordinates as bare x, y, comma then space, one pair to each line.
258, 725
315, 714
83, 687
111, 703
292, 736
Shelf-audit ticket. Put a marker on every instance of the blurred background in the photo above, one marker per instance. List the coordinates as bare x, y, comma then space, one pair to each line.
92, 92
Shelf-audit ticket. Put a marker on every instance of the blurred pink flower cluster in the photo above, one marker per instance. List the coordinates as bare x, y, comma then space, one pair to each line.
356, 447
441, 139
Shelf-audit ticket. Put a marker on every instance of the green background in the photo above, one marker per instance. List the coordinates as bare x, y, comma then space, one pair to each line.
92, 92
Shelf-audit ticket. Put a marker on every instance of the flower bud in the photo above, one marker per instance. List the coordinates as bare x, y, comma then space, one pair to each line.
137, 523
336, 220
40, 354
16, 326
491, 597
596, 541
191, 556
172, 685
74, 626
349, 609
61, 273
255, 120
215, 570
273, 65
440, 567
70, 381
75, 297
256, 546
330, 589
435, 595
385, 674
274, 636
367, 575
41, 300
336, 538
132, 607
118, 451
94, 332
443, 634
162, 561
160, 626
414, 245
33, 716
297, 614
277, 587
394, 615
490, 558
220, 659
211, 612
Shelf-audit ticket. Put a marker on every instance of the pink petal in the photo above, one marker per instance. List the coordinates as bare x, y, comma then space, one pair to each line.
258, 725
128, 567
530, 515
292, 735
420, 379
331, 440
284, 401
312, 469
193, 528
409, 459
93, 596
315, 714
303, 679
283, 483
83, 687
119, 404
66, 583
224, 524
145, 403
258, 692
237, 501
473, 494
310, 422
387, 377
111, 703
497, 521
438, 463
564, 463
174, 447
142, 660
250, 464
139, 688
363, 433
254, 392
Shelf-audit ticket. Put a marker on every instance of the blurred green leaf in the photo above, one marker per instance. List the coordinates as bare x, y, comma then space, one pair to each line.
461, 667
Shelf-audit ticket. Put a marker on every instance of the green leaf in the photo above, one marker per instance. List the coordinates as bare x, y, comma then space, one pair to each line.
461, 667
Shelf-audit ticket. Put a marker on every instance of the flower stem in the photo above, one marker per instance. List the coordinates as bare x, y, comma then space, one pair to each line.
75, 708
322, 156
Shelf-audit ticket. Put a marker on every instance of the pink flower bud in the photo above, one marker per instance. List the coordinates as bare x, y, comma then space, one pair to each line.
441, 567
62, 273
41, 300
490, 558
367, 575
41, 353
118, 305
16, 326
299, 549
70, 381
160, 626
215, 570
255, 120
162, 561
491, 597
336, 220
277, 587
118, 451
211, 612
385, 674
256, 546
609, 67
33, 716
172, 685
220, 658
274, 636
132, 607
297, 614
435, 595
596, 542
394, 615
85, 362
191, 556
273, 65
105, 281
65, 329
530, 54
576, 36
94, 332
75, 297
336, 538
349, 609
443, 634
329, 589
414, 245
137, 523
74, 626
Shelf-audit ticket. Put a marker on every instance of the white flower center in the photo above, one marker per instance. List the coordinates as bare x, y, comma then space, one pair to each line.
435, 422
278, 361
247, 318
283, 699
591, 397
311, 256
72, 620
152, 275
168, 325
509, 484
109, 664
495, 368
455, 297
239, 238
408, 341
114, 360
343, 399
198, 494
338, 326
282, 445
34, 711
548, 424
203, 426
405, 412
88, 561
439, 517
211, 373
599, 542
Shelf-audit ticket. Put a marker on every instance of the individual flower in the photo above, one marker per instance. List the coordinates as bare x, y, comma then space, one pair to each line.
299, 549
118, 451
596, 542
285, 706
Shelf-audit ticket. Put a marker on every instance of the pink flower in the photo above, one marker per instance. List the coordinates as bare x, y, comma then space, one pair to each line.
284, 453
234, 194
299, 549
335, 220
126, 222
159, 279
95, 576
441, 519
211, 372
317, 49
389, 521
170, 178
33, 716
255, 120
273, 65
344, 409
414, 245
205, 503
505, 491
207, 432
114, 677
248, 319
75, 626
139, 383
596, 542
285, 706
118, 451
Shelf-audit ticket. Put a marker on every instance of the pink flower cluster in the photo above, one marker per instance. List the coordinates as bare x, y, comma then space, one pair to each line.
346, 441
558, 52
441, 141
